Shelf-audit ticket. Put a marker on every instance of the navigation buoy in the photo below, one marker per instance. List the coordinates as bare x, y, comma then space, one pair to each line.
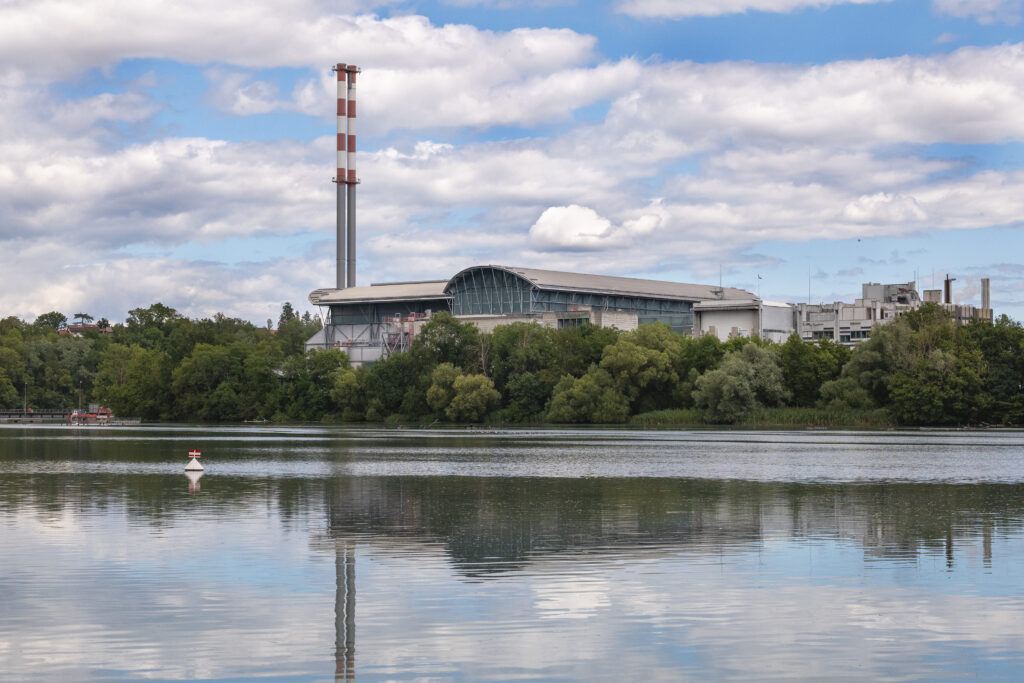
193, 464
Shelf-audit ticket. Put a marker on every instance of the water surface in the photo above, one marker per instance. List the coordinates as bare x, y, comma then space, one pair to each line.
327, 552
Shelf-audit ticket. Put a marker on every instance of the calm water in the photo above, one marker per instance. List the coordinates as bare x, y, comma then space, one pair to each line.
321, 553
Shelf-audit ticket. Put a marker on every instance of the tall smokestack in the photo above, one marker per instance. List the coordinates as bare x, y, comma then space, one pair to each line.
947, 290
985, 301
341, 179
351, 180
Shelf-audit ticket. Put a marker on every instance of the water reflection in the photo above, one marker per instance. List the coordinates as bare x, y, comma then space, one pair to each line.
345, 611
112, 568
496, 525
193, 481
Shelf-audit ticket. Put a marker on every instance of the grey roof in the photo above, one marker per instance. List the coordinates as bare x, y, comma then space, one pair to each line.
402, 291
737, 304
610, 284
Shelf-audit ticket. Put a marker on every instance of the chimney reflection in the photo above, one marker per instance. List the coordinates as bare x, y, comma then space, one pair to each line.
345, 611
193, 481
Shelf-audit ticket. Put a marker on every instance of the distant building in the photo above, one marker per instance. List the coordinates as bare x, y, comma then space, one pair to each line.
371, 322
731, 318
849, 324
77, 330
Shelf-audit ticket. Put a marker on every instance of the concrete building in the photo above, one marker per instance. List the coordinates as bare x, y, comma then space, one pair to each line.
730, 318
371, 322
848, 324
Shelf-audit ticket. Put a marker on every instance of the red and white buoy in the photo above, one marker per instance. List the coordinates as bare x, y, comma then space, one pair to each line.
193, 464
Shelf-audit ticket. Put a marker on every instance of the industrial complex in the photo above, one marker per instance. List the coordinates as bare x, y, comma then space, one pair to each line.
371, 322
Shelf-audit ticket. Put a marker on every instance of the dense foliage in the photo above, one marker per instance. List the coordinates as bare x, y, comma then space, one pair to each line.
160, 365
920, 369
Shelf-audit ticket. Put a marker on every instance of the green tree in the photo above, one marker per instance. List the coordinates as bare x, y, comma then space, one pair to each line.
349, 393
643, 375
308, 383
746, 379
806, 366
1002, 346
206, 383
287, 314
475, 397
53, 320
8, 394
844, 393
943, 387
924, 368
445, 339
590, 398
520, 348
724, 396
442, 387
527, 397
134, 381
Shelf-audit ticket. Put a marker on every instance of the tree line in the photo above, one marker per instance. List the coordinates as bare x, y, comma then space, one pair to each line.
921, 369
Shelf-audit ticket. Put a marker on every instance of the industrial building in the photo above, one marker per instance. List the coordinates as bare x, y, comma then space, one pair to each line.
849, 324
371, 322
731, 318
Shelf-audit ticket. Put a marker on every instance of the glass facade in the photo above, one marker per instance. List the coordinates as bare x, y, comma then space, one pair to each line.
490, 291
495, 291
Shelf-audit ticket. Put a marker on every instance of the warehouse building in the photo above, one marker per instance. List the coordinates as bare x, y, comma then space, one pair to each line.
371, 322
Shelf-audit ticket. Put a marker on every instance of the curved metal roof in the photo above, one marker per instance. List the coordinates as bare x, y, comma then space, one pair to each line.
400, 291
613, 285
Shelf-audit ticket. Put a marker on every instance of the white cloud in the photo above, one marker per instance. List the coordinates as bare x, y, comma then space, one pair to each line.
969, 96
680, 9
985, 11
267, 33
771, 152
239, 94
883, 207
509, 4
577, 227
106, 284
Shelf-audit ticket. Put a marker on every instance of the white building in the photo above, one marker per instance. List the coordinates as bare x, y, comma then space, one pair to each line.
730, 318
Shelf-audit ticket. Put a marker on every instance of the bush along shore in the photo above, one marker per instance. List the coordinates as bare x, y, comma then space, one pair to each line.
921, 369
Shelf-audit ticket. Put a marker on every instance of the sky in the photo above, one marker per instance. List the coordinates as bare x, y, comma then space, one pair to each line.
182, 151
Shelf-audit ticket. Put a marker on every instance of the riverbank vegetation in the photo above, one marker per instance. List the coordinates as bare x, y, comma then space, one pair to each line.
921, 369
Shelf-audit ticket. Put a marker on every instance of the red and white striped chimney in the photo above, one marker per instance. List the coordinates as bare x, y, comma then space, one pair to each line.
351, 179
341, 179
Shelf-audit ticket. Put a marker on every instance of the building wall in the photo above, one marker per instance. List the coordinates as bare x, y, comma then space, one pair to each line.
778, 323
741, 320
620, 320
728, 324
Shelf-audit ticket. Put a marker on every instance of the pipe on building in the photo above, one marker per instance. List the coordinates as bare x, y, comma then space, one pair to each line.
985, 300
